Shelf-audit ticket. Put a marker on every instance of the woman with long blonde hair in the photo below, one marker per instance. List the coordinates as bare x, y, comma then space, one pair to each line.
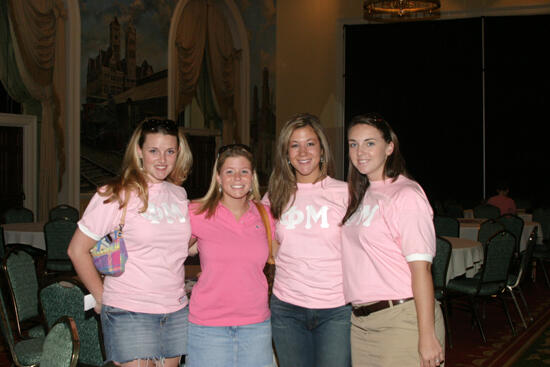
143, 311
229, 318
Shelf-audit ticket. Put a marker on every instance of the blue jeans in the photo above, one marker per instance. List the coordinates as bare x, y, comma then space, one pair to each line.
306, 337
230, 346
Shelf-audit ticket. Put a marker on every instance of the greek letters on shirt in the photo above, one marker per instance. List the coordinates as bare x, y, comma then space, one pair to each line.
163, 212
294, 217
363, 216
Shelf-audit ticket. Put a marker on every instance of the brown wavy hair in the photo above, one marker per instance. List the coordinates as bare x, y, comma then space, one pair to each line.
358, 183
132, 177
282, 182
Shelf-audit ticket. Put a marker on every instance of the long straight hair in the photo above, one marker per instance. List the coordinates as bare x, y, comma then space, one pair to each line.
133, 178
394, 166
209, 202
282, 182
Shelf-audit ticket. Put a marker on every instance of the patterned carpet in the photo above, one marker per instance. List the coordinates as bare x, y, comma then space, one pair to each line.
531, 347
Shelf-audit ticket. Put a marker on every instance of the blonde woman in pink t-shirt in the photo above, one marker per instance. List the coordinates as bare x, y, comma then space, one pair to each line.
310, 318
229, 319
143, 311
389, 244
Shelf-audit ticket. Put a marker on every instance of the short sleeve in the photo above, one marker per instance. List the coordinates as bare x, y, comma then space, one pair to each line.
99, 218
415, 225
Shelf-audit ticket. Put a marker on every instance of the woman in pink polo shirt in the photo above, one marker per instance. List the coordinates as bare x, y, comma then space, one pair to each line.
389, 244
310, 318
143, 311
229, 318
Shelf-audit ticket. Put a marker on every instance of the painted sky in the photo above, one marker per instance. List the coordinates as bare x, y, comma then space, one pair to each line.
152, 21
150, 17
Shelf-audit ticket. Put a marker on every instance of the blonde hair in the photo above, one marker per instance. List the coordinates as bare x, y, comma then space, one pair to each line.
282, 182
133, 178
209, 202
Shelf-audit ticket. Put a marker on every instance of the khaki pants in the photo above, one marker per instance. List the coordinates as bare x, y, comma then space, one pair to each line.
390, 337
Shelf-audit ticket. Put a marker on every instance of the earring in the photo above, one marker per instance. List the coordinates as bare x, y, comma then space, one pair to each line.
220, 189
322, 159
288, 161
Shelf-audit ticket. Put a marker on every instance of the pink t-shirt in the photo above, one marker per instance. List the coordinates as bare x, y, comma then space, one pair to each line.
157, 243
504, 203
232, 288
309, 267
392, 226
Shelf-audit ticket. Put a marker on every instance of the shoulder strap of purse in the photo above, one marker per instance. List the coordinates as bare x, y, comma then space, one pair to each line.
267, 225
123, 218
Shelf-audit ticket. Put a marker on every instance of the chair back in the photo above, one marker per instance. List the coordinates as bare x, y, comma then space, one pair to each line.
62, 345
513, 224
454, 211
2, 244
58, 234
486, 211
488, 229
526, 258
64, 211
542, 216
66, 298
20, 274
498, 254
440, 265
446, 226
18, 215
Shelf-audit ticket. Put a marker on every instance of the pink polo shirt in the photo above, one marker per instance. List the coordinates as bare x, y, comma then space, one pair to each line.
232, 288
309, 267
392, 226
157, 243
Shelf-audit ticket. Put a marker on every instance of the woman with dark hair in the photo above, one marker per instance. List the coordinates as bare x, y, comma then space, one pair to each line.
310, 318
389, 244
229, 318
143, 311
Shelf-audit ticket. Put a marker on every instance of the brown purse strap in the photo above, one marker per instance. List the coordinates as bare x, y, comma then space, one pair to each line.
123, 218
267, 225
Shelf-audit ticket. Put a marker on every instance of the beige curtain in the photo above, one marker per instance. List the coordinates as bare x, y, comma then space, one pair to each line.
38, 28
223, 65
190, 44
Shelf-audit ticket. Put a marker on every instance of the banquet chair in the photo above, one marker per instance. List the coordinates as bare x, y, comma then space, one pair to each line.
446, 226
20, 274
18, 215
65, 297
62, 346
487, 229
491, 280
542, 216
440, 265
454, 211
24, 353
516, 277
64, 211
58, 233
486, 211
513, 224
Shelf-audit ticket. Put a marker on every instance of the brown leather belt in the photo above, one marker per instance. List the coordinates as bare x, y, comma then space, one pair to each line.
378, 306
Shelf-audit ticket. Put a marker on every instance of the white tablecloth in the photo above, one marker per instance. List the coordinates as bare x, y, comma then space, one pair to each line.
466, 257
27, 233
469, 228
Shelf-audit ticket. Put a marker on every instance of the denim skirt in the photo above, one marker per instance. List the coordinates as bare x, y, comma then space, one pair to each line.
230, 346
134, 335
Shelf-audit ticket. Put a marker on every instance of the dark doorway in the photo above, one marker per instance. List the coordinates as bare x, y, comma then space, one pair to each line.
429, 79
204, 150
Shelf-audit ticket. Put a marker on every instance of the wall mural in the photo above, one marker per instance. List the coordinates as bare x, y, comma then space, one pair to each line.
124, 77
